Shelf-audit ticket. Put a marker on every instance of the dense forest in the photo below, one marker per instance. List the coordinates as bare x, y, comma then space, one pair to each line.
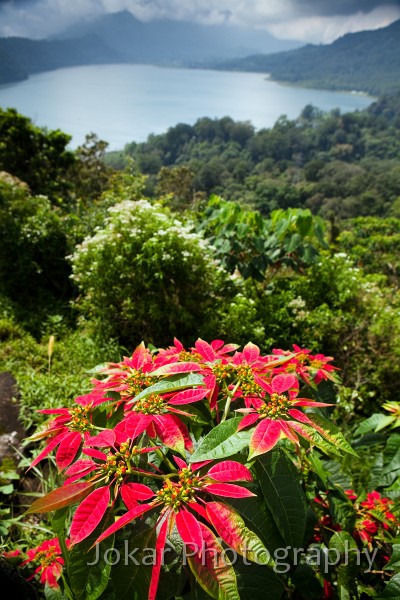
288, 237
337, 165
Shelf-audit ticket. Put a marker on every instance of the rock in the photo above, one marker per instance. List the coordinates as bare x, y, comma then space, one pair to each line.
11, 430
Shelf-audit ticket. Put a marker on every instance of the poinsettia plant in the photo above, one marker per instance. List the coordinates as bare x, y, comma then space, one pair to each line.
184, 472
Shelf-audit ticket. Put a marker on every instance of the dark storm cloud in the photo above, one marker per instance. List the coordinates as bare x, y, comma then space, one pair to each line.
324, 8
306, 20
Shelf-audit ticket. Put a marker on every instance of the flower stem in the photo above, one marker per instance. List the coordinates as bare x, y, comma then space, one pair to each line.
228, 401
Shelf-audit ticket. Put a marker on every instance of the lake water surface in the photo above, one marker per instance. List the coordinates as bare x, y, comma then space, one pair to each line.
125, 103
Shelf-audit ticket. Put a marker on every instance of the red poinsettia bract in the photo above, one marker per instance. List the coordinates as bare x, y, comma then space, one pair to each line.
182, 498
49, 562
277, 415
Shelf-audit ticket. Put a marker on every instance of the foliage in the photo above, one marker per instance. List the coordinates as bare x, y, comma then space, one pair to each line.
338, 165
222, 452
373, 245
352, 62
247, 242
145, 274
33, 246
37, 157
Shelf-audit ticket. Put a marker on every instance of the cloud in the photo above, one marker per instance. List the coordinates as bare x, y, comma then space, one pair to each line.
305, 20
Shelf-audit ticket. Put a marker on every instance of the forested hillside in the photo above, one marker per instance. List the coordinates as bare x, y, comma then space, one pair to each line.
33, 56
336, 165
214, 305
367, 61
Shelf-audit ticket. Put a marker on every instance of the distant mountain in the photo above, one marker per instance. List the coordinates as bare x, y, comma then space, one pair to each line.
33, 56
178, 42
368, 61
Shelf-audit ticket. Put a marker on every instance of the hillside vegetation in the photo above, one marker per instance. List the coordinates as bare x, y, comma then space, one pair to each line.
337, 165
367, 61
299, 253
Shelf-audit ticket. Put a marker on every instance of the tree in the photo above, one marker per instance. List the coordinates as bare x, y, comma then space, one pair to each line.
38, 157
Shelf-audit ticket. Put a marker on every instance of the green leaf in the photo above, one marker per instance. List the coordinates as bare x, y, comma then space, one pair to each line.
59, 518
259, 518
212, 570
51, 593
88, 581
394, 562
280, 485
347, 571
392, 455
392, 589
375, 422
254, 581
7, 489
176, 382
131, 576
222, 441
331, 433
306, 583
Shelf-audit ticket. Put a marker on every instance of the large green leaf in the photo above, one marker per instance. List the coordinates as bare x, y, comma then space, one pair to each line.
306, 583
331, 433
222, 441
392, 590
172, 384
257, 582
280, 485
131, 576
344, 544
259, 519
375, 422
394, 562
88, 581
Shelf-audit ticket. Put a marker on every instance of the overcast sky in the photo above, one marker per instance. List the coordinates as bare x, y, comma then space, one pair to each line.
316, 21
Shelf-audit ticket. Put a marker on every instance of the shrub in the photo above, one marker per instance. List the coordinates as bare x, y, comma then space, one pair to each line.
147, 275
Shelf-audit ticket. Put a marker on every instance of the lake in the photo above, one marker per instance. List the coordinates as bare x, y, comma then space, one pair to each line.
125, 103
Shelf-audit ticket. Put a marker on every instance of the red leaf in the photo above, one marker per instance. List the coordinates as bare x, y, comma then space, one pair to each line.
131, 515
68, 449
133, 492
265, 437
232, 529
103, 439
63, 496
205, 350
94, 453
188, 396
300, 416
189, 530
50, 446
230, 470
140, 357
80, 466
177, 367
135, 424
282, 383
306, 402
248, 420
213, 570
181, 463
287, 431
169, 432
229, 490
89, 514
251, 352
155, 572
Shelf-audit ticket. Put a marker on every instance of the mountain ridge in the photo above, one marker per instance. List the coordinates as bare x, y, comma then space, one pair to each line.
367, 61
